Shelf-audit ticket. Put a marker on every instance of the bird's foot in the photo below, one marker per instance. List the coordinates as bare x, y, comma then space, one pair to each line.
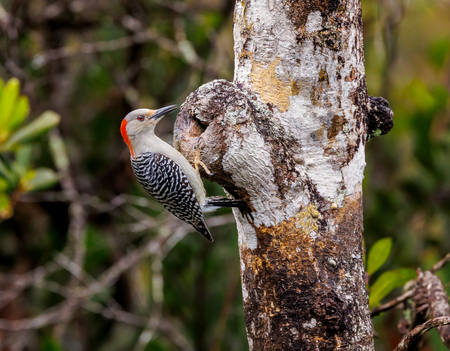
246, 212
197, 160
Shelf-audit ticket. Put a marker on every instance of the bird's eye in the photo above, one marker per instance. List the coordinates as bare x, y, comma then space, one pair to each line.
140, 118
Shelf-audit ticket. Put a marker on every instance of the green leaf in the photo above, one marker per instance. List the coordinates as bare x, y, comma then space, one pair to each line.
21, 111
59, 153
387, 282
6, 172
23, 155
37, 179
4, 185
8, 99
378, 254
18, 170
40, 125
5, 206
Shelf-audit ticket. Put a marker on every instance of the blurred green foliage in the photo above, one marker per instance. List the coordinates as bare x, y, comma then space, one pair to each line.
17, 175
387, 281
407, 183
94, 61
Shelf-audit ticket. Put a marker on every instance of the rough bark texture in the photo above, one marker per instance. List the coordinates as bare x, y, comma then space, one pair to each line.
439, 306
289, 137
431, 300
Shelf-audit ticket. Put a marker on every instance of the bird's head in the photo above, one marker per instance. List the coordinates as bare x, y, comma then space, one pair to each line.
140, 122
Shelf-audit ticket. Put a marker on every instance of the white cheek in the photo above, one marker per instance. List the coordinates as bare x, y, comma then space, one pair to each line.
133, 127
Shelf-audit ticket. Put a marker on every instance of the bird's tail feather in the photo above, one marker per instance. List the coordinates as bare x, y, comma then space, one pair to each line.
202, 228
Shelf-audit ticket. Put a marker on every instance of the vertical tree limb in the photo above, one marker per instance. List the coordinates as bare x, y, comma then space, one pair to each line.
289, 137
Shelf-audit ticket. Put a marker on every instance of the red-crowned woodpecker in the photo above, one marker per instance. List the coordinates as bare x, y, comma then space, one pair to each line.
166, 174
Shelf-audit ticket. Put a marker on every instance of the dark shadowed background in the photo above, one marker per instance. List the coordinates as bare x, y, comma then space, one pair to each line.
90, 262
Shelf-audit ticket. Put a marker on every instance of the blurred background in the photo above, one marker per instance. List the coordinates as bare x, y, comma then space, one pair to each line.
88, 261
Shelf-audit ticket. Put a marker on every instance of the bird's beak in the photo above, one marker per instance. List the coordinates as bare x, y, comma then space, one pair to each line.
163, 111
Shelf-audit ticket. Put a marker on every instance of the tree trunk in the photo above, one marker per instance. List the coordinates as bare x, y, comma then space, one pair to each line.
289, 137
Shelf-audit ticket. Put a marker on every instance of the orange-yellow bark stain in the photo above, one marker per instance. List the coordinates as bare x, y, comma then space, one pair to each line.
307, 219
271, 88
323, 75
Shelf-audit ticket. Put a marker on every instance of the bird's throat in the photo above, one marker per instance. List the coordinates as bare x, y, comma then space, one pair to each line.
123, 131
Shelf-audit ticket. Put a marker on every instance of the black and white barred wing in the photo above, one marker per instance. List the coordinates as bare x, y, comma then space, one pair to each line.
163, 179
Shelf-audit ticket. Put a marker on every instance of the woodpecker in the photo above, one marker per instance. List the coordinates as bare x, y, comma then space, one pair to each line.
166, 174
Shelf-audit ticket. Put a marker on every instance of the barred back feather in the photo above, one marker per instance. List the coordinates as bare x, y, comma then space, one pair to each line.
163, 179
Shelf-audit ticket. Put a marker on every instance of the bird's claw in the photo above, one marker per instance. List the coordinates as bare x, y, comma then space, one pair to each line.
197, 160
247, 213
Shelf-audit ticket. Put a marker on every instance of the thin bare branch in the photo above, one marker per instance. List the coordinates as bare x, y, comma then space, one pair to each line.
156, 245
391, 304
57, 314
148, 333
98, 204
21, 340
114, 313
439, 265
146, 36
174, 336
418, 331
17, 283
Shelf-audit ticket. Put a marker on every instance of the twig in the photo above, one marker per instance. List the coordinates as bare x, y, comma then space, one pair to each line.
78, 296
95, 202
22, 340
146, 36
18, 283
181, 232
57, 314
114, 313
158, 298
174, 336
75, 269
391, 304
156, 245
77, 215
177, 6
441, 263
418, 331
150, 329
140, 216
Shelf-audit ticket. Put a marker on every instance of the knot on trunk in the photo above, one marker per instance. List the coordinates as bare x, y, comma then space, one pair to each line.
380, 118
227, 124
